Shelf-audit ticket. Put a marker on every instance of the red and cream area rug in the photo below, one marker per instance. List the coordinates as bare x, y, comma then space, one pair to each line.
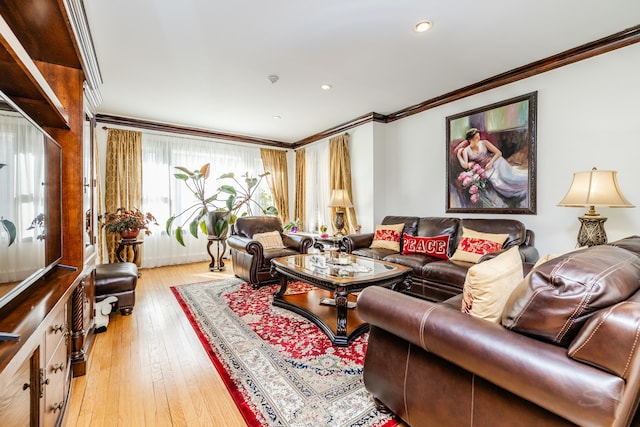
279, 367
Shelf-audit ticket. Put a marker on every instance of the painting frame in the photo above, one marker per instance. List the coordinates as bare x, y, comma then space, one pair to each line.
506, 186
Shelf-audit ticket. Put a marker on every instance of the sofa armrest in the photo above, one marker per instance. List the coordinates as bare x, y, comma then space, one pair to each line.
356, 241
244, 244
534, 370
298, 242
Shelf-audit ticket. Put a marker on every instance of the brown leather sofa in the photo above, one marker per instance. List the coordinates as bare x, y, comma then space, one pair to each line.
433, 278
566, 352
251, 261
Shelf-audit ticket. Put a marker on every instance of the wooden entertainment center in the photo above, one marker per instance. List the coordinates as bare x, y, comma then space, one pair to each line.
48, 71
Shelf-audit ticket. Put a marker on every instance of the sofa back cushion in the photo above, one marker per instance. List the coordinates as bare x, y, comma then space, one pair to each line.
515, 230
631, 243
439, 226
249, 225
556, 299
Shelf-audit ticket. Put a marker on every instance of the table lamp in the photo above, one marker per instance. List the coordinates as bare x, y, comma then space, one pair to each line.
591, 189
340, 200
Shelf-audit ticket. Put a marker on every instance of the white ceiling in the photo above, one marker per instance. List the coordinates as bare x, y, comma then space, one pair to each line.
204, 63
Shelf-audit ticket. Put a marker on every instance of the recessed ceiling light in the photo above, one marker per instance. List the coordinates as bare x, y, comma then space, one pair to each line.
276, 117
422, 26
326, 87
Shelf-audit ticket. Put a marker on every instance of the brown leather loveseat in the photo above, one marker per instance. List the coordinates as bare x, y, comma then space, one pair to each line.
433, 278
565, 353
251, 259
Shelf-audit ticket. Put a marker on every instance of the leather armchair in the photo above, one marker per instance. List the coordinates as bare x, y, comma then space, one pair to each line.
251, 261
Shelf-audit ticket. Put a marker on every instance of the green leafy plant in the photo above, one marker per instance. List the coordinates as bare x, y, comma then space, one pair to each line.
10, 228
242, 195
225, 204
193, 216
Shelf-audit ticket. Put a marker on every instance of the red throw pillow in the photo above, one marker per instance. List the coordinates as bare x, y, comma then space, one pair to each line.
434, 246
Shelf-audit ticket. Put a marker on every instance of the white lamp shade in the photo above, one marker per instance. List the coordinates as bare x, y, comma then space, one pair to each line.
595, 188
340, 199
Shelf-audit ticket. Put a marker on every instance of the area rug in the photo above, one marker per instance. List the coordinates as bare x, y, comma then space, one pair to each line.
280, 369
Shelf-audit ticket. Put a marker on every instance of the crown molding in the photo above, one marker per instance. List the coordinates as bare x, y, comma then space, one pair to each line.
182, 130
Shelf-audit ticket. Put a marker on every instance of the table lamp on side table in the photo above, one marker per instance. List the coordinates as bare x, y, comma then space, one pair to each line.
591, 189
340, 200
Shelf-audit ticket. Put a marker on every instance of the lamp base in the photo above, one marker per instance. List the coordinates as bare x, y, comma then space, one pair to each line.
338, 225
591, 231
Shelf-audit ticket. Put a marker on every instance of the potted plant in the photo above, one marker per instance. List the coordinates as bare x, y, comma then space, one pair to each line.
127, 222
213, 214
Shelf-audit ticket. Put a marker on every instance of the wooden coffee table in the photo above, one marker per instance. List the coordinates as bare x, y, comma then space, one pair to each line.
332, 307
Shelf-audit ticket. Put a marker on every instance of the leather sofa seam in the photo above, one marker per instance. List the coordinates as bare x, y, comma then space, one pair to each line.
423, 321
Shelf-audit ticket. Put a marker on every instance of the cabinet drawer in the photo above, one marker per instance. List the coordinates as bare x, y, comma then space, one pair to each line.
56, 331
56, 375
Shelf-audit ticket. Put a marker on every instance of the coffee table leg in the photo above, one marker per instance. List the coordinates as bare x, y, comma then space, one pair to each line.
283, 287
341, 308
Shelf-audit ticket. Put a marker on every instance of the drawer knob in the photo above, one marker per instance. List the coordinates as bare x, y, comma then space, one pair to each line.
57, 406
58, 367
57, 328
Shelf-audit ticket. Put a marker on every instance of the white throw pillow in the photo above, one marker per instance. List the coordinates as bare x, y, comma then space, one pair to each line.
269, 240
489, 284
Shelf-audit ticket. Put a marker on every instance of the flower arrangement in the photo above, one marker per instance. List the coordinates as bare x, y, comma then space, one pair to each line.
474, 180
124, 219
293, 226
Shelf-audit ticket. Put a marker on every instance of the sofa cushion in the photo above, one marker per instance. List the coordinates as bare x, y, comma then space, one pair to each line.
631, 243
453, 273
269, 240
593, 344
550, 256
489, 284
438, 226
414, 261
473, 244
387, 236
436, 246
557, 298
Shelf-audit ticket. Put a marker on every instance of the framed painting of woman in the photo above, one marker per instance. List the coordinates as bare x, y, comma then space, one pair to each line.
491, 158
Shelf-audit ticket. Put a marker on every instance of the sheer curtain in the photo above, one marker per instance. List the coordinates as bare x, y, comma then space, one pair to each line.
317, 187
22, 152
164, 195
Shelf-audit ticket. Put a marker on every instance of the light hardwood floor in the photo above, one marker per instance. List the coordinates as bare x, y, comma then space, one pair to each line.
149, 369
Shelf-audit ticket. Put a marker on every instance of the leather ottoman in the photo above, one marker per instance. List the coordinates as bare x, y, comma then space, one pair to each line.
118, 279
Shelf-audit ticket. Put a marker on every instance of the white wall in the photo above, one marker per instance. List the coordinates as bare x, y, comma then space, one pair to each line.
588, 115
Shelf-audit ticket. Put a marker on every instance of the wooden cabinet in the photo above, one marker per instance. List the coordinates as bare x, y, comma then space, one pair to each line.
48, 68
35, 384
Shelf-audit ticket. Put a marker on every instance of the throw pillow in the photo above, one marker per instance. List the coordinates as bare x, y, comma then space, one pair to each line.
387, 237
434, 246
474, 244
269, 240
489, 284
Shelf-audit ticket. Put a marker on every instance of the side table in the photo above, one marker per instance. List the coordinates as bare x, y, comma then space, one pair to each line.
133, 244
217, 262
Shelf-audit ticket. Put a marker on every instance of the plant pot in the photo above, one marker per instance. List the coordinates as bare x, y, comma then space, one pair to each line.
212, 220
130, 234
